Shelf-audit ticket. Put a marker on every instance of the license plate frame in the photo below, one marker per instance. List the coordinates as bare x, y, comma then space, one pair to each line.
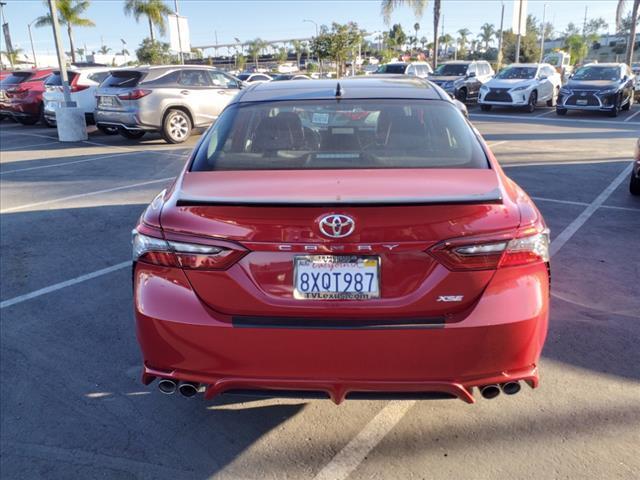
340, 264
582, 102
107, 101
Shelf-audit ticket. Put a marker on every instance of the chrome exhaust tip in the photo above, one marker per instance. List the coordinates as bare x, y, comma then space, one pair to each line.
490, 391
167, 386
510, 388
188, 389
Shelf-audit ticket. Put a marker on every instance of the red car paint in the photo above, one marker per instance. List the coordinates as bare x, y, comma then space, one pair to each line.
236, 325
23, 100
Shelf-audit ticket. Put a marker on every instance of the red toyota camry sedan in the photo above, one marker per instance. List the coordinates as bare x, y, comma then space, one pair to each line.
342, 239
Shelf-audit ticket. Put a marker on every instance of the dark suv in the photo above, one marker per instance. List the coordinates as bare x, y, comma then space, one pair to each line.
462, 79
170, 99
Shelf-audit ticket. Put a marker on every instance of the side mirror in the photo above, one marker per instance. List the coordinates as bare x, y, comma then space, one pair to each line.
625, 78
543, 77
471, 75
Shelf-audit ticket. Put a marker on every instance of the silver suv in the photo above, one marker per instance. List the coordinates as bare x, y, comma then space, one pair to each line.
170, 99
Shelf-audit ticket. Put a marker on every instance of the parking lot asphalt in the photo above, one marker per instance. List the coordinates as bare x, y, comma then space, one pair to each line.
72, 405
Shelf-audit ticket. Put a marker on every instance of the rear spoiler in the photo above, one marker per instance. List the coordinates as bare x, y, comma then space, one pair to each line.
492, 197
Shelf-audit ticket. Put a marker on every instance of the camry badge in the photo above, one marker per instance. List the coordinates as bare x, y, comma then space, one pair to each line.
337, 226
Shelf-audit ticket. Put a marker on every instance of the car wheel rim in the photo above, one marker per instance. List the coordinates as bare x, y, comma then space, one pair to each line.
178, 127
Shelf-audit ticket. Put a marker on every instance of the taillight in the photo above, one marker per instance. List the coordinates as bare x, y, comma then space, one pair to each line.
134, 94
18, 92
530, 246
78, 88
190, 256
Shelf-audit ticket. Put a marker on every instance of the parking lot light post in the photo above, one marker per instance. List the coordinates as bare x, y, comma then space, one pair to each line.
33, 50
69, 119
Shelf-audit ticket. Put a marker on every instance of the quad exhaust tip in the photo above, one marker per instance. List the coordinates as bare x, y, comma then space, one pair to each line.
510, 388
167, 386
490, 391
188, 389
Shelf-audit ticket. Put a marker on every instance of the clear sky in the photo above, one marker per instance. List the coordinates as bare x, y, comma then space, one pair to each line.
248, 19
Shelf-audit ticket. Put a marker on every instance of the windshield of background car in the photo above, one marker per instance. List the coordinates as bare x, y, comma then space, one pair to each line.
340, 134
55, 79
243, 76
521, 73
597, 73
122, 79
391, 68
17, 77
450, 70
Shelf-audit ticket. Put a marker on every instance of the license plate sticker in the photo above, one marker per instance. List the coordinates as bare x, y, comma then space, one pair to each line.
581, 102
336, 277
108, 101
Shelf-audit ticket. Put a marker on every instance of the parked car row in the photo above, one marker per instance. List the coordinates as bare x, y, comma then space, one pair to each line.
608, 87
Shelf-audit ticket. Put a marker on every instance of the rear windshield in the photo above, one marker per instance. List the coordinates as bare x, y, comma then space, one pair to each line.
16, 77
55, 79
243, 76
122, 79
391, 68
349, 134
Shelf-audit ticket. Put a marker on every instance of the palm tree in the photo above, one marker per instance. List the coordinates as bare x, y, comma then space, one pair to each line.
104, 50
299, 48
388, 6
81, 52
255, 47
446, 40
487, 32
69, 14
154, 10
632, 31
12, 55
462, 40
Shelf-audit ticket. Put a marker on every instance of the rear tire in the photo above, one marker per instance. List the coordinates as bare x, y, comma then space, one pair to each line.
108, 130
28, 120
485, 108
176, 127
634, 185
533, 101
131, 134
561, 111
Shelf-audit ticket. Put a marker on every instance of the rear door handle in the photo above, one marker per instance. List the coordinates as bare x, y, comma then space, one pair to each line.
184, 92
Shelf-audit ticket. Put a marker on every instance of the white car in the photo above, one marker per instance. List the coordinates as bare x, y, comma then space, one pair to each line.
521, 85
82, 84
248, 77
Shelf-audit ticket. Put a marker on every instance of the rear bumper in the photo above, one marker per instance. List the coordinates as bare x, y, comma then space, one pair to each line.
129, 120
499, 341
20, 108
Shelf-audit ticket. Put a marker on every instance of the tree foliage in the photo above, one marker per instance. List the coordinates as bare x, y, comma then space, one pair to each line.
388, 6
70, 15
337, 43
154, 10
153, 52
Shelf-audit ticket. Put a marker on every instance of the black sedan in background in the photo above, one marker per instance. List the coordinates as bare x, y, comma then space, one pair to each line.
606, 87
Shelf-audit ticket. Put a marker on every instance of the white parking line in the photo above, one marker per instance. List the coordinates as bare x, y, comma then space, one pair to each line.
6, 149
634, 115
568, 162
130, 149
87, 194
491, 145
67, 283
584, 204
545, 119
544, 113
62, 164
348, 459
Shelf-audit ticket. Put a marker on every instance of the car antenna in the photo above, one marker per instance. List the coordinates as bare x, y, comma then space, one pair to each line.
338, 90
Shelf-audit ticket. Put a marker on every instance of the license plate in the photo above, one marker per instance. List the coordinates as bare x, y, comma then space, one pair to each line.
107, 101
581, 102
332, 277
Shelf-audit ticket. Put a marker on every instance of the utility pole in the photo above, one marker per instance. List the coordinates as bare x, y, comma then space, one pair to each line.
500, 38
175, 4
519, 36
70, 120
5, 31
215, 34
544, 12
33, 50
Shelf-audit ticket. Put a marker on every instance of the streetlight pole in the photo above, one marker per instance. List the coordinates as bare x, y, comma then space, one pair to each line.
33, 50
544, 12
500, 39
175, 4
2, 24
519, 36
